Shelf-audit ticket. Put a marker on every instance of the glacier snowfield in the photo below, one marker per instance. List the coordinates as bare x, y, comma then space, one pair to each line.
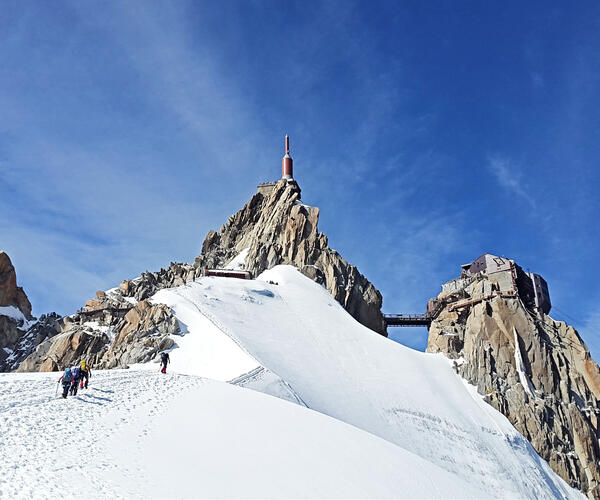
319, 407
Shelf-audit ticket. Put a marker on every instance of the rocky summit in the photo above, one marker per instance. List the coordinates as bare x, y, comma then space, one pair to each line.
536, 371
121, 326
275, 227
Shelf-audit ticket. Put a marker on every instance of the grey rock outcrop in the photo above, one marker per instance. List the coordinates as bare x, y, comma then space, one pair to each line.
109, 332
46, 327
67, 348
277, 228
146, 285
143, 333
536, 371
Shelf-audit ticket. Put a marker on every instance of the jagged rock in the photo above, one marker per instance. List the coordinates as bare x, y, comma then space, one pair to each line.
46, 327
110, 333
19, 333
11, 334
279, 229
66, 349
13, 322
149, 283
143, 333
10, 293
552, 399
122, 327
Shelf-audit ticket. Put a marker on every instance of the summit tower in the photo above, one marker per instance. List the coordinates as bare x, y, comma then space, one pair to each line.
287, 164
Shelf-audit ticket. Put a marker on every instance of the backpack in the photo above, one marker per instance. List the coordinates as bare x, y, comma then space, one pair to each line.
163, 357
67, 376
76, 372
83, 367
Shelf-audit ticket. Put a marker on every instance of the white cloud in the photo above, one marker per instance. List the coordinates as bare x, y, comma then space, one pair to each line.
79, 217
508, 175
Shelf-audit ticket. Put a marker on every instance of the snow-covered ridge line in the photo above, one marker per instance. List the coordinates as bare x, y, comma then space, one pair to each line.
297, 332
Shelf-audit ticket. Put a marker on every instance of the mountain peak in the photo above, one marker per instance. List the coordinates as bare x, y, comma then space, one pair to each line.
10, 293
274, 228
538, 372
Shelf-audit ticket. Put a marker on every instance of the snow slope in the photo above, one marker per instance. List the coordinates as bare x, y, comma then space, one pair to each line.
300, 335
141, 434
404, 424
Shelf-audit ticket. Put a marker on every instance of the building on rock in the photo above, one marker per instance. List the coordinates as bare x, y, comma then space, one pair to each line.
504, 277
493, 323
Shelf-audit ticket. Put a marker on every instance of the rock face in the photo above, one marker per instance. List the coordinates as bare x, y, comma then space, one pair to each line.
149, 283
19, 332
110, 331
120, 327
143, 333
65, 349
10, 293
277, 228
536, 371
46, 327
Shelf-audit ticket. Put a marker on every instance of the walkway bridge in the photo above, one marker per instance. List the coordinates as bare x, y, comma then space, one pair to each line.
414, 319
407, 320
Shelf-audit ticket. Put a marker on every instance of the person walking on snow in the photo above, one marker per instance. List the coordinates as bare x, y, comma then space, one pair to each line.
76, 374
164, 359
67, 378
86, 373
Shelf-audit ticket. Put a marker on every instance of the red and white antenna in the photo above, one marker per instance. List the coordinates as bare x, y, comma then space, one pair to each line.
287, 164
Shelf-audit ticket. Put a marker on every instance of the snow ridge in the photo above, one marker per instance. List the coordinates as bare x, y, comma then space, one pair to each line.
370, 418
340, 368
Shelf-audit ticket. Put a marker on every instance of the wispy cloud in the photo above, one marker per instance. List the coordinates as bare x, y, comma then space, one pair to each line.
509, 177
88, 196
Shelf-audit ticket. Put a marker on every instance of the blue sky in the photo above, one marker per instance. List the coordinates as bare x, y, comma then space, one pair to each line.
427, 132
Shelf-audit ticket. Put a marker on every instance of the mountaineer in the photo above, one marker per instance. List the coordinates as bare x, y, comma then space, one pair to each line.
67, 378
76, 374
86, 373
164, 359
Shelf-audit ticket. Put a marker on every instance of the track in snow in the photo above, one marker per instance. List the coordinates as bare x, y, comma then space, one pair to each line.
51, 446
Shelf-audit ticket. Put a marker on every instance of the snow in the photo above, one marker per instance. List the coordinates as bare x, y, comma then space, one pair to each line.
141, 434
298, 332
239, 261
355, 414
116, 294
15, 314
523, 378
207, 352
98, 328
